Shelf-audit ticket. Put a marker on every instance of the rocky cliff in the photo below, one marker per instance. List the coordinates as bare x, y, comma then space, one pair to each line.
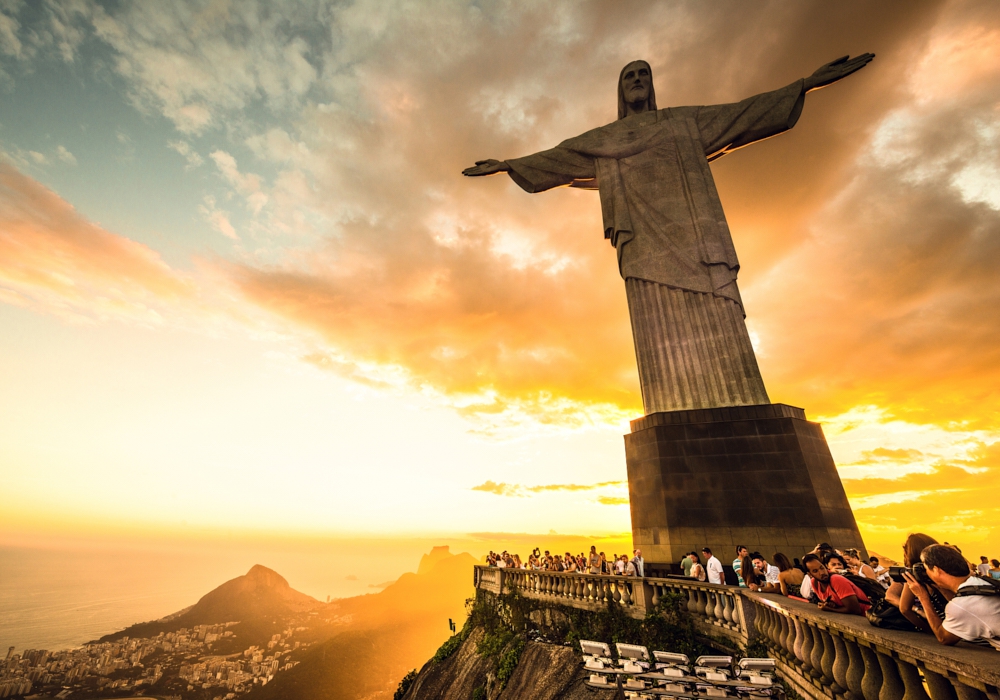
544, 672
513, 647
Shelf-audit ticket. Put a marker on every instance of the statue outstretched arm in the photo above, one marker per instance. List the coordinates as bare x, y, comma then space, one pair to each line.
556, 167
486, 167
728, 127
835, 70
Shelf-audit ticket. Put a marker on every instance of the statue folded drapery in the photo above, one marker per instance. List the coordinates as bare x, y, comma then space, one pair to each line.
663, 215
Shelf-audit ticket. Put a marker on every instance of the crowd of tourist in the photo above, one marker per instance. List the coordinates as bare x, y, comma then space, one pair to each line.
936, 591
593, 563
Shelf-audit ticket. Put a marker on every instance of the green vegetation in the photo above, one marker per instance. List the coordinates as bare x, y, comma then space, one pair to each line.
503, 620
493, 642
479, 693
450, 646
667, 627
754, 649
507, 619
508, 662
404, 685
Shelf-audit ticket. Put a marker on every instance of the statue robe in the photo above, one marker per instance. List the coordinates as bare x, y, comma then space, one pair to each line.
663, 215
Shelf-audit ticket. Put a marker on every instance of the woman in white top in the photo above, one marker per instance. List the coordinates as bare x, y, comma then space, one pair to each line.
858, 566
594, 560
620, 564
697, 570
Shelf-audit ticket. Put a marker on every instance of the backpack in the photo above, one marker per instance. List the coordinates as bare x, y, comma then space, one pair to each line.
992, 587
872, 589
885, 615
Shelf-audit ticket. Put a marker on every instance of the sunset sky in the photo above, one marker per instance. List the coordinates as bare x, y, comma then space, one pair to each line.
244, 287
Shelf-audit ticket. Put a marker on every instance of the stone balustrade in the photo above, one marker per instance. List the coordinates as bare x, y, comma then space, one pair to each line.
842, 656
820, 655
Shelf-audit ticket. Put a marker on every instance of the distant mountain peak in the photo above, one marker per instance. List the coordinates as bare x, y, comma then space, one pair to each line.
268, 577
260, 594
436, 554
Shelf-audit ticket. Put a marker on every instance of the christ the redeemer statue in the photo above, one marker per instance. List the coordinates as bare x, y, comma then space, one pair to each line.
663, 215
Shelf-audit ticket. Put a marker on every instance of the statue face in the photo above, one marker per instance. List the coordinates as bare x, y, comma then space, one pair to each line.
636, 81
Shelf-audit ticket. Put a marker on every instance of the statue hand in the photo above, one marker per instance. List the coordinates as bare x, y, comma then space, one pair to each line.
837, 70
486, 167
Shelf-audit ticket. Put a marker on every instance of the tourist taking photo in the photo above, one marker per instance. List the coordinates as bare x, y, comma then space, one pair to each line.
973, 614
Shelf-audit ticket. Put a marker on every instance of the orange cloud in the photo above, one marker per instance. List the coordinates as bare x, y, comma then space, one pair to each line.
511, 303
958, 502
898, 455
52, 259
501, 489
868, 234
613, 500
504, 489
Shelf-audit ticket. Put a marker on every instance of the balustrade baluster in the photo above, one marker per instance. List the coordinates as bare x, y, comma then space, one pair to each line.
892, 685
655, 599
827, 661
802, 643
718, 609
787, 638
855, 670
967, 692
805, 651
728, 610
913, 683
816, 652
693, 601
841, 662
938, 686
762, 623
777, 634
775, 629
871, 684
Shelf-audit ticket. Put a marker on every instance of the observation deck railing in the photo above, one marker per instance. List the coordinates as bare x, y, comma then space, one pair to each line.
820, 655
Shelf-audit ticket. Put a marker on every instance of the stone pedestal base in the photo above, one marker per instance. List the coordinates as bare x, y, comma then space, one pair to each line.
761, 476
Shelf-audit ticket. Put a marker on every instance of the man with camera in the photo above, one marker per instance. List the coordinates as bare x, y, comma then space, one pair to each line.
973, 615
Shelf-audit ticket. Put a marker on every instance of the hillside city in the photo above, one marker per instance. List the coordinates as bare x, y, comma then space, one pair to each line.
177, 664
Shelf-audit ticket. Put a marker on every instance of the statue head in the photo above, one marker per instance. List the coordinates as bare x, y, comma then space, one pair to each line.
635, 89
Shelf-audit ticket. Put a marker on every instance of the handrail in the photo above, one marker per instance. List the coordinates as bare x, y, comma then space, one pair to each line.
821, 655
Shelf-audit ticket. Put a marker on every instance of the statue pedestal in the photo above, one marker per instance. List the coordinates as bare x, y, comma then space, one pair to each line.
761, 476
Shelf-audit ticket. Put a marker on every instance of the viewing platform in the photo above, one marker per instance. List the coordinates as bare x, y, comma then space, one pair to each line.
819, 655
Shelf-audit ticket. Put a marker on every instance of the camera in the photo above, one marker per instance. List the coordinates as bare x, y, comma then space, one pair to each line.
919, 572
